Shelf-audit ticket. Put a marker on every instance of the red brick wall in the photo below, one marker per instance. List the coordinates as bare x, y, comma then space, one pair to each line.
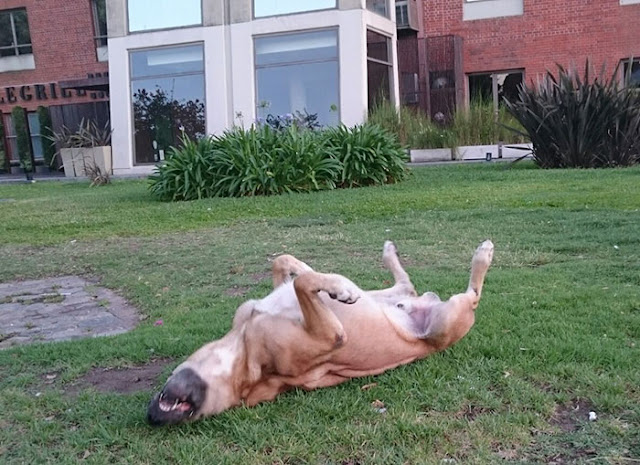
550, 31
63, 47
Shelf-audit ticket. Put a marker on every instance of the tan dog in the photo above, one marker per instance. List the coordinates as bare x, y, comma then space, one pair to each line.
314, 331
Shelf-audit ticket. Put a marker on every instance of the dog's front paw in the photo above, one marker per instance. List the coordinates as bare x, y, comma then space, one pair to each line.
344, 291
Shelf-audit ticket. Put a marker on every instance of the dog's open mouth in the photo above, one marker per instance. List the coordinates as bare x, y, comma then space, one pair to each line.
176, 405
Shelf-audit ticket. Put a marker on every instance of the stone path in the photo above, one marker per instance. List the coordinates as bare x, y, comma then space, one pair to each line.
61, 308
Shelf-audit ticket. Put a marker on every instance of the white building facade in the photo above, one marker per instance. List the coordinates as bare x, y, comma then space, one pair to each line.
202, 66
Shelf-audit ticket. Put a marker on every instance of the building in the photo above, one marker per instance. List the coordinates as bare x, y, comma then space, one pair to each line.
484, 48
199, 67
53, 55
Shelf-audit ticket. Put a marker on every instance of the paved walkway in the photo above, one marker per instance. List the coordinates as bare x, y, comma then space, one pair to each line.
61, 308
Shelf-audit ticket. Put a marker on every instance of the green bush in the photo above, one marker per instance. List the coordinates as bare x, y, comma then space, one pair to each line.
368, 154
265, 161
187, 173
48, 146
470, 126
19, 118
477, 125
4, 162
580, 122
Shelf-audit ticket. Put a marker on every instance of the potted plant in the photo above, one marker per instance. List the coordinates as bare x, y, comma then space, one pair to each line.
86, 151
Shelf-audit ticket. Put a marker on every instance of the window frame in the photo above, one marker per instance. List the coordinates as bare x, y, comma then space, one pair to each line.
256, 67
143, 31
16, 46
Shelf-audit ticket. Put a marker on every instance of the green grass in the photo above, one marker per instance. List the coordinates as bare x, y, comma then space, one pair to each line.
559, 322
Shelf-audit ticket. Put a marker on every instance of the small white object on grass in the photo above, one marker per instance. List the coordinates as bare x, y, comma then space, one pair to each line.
593, 416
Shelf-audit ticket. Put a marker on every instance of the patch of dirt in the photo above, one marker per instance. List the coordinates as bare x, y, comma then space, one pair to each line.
121, 380
259, 277
471, 412
237, 291
568, 417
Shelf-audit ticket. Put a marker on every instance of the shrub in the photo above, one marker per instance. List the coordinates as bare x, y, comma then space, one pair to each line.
469, 126
368, 154
580, 122
4, 161
478, 125
267, 161
187, 173
19, 118
48, 146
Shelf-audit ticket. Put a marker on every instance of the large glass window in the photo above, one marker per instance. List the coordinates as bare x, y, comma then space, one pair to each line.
145, 15
12, 138
280, 7
100, 22
298, 73
167, 88
379, 67
378, 6
632, 74
36, 136
482, 86
14, 33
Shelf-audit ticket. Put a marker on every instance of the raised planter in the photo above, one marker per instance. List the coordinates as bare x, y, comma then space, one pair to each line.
75, 161
428, 155
490, 152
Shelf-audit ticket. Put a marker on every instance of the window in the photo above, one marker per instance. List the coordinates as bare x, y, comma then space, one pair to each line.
167, 88
298, 73
100, 22
378, 6
633, 73
379, 67
280, 7
14, 33
11, 137
410, 88
481, 86
484, 9
145, 15
36, 136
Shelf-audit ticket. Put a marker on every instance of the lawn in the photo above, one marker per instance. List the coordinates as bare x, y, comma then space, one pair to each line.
558, 326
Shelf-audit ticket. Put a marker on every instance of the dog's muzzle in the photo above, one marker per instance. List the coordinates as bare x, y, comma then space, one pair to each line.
180, 399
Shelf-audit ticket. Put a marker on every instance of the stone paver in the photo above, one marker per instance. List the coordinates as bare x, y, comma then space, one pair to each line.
57, 309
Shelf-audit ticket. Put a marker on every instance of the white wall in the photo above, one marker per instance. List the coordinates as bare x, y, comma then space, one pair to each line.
230, 73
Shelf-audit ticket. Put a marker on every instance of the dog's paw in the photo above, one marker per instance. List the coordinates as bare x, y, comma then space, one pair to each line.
345, 292
389, 249
484, 253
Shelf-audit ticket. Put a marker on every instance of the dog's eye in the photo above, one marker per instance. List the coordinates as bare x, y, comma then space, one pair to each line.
400, 305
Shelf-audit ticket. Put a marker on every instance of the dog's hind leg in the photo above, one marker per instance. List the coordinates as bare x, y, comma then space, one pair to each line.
402, 287
286, 267
444, 323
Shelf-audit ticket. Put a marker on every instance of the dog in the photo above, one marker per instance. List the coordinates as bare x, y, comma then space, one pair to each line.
317, 330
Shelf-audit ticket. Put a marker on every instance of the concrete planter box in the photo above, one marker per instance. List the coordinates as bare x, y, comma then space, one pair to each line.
490, 152
75, 161
427, 155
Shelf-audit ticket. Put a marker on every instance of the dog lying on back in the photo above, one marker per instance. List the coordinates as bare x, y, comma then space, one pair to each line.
317, 330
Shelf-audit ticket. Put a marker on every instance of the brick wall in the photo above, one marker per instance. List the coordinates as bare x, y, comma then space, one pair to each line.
63, 48
550, 31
